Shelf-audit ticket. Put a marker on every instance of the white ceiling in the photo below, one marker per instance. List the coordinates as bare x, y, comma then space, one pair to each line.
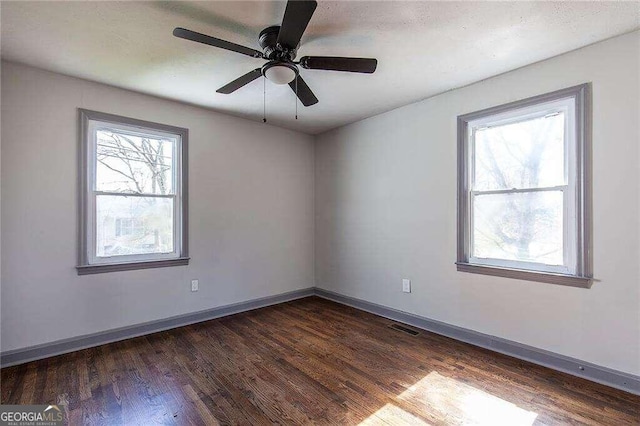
423, 48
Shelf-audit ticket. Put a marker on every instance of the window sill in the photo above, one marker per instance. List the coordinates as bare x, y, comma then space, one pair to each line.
521, 274
130, 266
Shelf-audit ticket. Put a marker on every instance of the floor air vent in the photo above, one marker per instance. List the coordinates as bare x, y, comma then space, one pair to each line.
404, 329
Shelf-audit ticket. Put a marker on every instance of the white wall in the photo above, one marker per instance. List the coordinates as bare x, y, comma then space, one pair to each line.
386, 209
250, 210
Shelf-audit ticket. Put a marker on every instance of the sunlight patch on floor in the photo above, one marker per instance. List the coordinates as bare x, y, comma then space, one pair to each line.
437, 396
392, 414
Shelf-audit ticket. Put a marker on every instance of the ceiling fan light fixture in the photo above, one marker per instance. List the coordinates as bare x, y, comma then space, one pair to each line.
280, 73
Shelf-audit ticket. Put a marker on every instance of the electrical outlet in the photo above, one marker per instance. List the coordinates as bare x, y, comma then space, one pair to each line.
406, 285
194, 285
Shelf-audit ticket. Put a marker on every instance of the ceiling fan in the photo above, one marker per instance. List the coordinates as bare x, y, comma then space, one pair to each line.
279, 46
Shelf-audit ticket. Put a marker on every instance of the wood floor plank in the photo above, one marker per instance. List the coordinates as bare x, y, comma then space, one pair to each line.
309, 361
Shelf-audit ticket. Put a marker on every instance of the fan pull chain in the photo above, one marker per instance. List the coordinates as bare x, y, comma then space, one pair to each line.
296, 97
264, 100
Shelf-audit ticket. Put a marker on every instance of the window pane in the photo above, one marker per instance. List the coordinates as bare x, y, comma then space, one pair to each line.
527, 154
133, 225
133, 164
527, 227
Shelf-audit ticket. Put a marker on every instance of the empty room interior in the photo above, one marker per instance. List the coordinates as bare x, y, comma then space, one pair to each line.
320, 212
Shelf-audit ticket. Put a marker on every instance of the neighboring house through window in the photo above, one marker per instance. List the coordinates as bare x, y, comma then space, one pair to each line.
129, 226
523, 189
133, 193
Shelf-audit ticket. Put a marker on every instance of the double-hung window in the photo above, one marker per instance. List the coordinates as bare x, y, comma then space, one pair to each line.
523, 189
133, 194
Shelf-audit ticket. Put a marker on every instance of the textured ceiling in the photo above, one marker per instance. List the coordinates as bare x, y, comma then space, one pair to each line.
423, 48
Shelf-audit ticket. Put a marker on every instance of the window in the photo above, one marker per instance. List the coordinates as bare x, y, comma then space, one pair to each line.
133, 192
523, 190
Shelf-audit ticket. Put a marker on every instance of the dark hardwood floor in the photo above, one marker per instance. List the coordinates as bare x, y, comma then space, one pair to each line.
308, 361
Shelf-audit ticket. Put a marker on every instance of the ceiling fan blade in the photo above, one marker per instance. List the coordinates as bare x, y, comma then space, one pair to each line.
296, 18
334, 63
216, 42
305, 94
240, 82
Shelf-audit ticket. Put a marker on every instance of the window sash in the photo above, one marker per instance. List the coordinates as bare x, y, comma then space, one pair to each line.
519, 190
567, 253
520, 115
95, 259
95, 126
91, 196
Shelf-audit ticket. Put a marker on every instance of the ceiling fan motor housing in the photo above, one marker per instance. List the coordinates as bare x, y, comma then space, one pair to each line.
268, 40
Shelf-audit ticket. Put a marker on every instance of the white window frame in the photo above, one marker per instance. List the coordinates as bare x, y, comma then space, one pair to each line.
576, 268
90, 123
